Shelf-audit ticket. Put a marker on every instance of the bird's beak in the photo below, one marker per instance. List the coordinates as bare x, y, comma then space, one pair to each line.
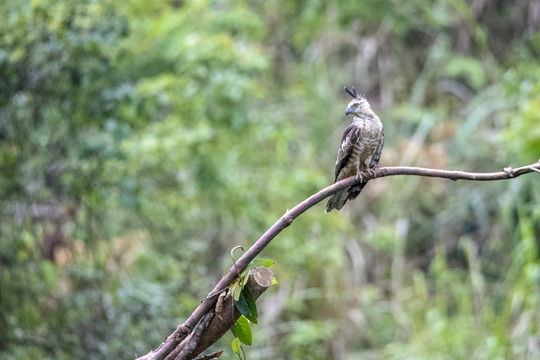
349, 111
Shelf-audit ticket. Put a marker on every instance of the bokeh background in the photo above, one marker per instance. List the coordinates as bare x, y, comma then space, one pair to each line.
141, 140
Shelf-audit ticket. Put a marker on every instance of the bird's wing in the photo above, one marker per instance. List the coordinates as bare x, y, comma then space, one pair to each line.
349, 139
377, 154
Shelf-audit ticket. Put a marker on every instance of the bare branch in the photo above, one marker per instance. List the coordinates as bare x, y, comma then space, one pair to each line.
207, 303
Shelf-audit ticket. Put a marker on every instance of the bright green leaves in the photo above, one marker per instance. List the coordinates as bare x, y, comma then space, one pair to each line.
258, 262
246, 305
263, 262
236, 288
242, 330
243, 298
236, 345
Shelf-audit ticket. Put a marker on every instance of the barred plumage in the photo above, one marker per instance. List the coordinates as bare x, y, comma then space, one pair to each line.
360, 149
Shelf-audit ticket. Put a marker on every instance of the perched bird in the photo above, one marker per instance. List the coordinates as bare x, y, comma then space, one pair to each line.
360, 149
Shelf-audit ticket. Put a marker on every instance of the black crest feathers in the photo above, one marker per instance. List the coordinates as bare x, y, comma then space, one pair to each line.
353, 93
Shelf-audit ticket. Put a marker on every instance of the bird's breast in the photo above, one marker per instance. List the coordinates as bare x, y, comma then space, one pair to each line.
367, 144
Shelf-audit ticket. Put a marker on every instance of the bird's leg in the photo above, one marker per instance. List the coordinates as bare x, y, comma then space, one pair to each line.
359, 173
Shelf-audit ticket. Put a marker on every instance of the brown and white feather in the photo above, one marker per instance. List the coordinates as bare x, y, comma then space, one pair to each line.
360, 150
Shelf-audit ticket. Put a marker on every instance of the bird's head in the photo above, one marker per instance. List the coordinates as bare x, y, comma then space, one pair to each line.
358, 105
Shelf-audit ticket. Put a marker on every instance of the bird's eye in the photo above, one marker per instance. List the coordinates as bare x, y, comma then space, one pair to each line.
356, 105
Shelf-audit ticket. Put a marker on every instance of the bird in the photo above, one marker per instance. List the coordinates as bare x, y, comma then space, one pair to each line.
360, 150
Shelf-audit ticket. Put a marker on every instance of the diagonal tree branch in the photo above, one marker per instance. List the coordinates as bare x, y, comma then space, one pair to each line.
207, 303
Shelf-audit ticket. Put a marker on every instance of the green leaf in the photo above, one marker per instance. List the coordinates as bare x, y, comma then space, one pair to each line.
242, 305
263, 262
245, 279
235, 345
247, 306
242, 331
274, 282
253, 315
236, 289
258, 262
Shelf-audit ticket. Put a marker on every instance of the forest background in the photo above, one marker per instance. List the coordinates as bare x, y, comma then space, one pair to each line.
140, 141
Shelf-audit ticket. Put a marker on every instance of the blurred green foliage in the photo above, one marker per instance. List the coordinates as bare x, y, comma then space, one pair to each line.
141, 141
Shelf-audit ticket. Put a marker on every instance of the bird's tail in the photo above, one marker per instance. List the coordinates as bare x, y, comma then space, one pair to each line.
339, 199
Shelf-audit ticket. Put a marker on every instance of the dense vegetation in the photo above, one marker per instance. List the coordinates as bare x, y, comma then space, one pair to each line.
140, 141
